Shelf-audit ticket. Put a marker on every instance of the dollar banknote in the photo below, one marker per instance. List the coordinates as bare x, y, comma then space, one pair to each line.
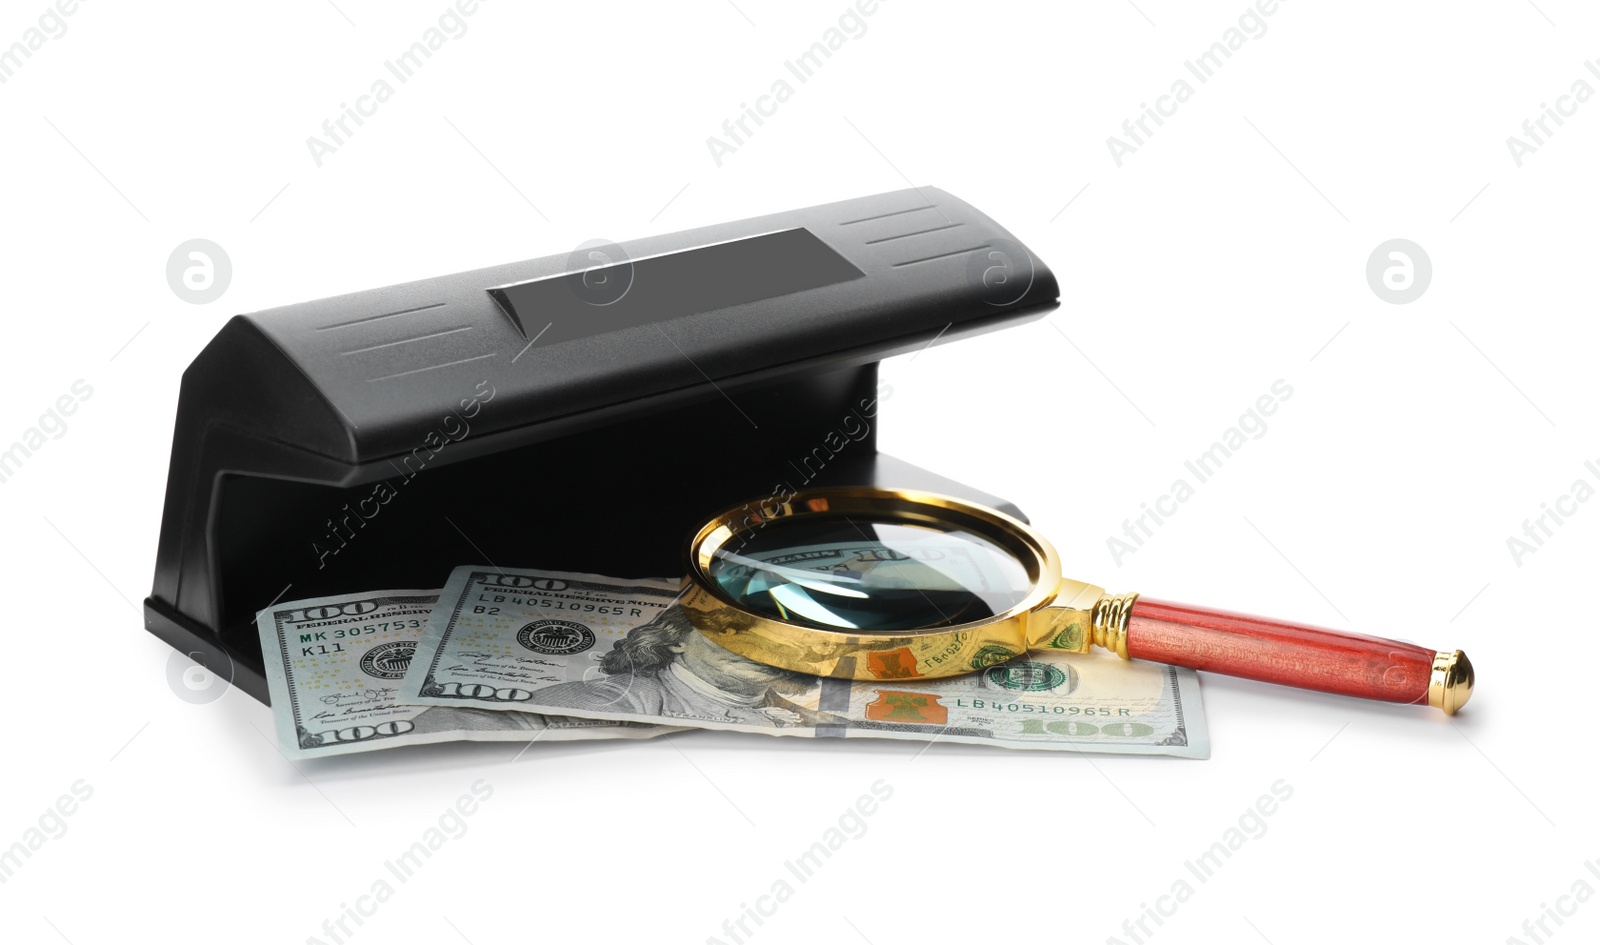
604, 648
334, 665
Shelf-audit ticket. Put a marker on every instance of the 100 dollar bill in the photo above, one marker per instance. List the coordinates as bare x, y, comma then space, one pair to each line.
521, 641
334, 665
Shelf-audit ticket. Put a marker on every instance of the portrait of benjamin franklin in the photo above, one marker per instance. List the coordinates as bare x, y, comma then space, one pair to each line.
666, 669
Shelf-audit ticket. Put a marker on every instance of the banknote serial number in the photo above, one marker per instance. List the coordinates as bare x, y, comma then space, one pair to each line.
348, 633
1022, 708
490, 606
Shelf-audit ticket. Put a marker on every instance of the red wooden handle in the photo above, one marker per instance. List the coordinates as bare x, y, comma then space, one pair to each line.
1277, 651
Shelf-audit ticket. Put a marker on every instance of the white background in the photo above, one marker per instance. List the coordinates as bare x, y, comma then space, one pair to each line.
1227, 253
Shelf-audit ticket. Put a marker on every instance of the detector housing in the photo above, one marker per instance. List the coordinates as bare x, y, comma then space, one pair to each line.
585, 411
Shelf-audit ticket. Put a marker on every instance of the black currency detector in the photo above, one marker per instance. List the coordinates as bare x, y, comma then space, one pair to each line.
579, 412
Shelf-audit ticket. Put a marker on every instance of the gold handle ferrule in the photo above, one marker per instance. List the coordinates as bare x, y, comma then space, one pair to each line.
1109, 624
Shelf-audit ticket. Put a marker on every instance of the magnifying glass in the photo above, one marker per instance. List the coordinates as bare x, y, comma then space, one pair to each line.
869, 583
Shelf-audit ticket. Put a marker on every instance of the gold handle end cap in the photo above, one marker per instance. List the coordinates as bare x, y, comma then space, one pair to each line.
1450, 686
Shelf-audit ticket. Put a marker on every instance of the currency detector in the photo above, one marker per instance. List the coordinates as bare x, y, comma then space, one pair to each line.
580, 412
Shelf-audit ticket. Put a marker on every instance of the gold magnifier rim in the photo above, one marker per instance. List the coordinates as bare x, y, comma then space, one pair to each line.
935, 651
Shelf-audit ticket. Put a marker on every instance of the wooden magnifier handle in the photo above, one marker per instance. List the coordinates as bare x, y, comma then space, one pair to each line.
1287, 653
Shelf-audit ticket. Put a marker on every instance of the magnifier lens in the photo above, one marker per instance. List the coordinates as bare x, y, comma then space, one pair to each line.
867, 576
